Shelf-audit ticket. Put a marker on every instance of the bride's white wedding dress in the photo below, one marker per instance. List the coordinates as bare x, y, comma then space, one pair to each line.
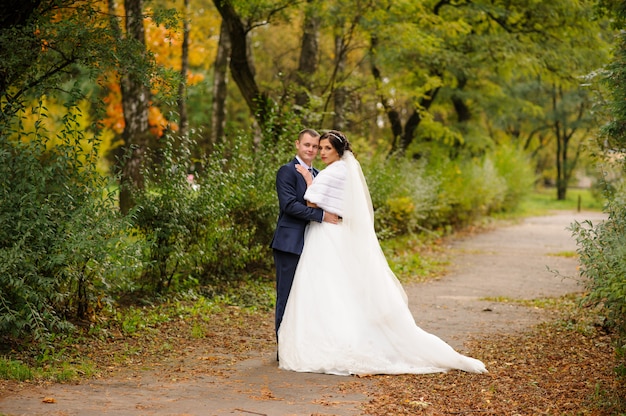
347, 313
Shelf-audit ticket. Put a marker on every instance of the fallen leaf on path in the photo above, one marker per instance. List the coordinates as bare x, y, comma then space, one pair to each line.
266, 394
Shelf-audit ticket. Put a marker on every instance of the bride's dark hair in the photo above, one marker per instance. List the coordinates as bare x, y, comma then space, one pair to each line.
337, 140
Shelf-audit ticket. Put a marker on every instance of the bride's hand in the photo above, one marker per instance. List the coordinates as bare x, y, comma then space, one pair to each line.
330, 217
308, 178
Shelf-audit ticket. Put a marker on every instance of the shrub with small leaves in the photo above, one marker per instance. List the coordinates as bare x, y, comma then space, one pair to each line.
57, 231
209, 227
402, 194
602, 251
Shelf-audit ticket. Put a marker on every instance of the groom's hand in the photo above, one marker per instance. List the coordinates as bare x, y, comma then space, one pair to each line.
331, 218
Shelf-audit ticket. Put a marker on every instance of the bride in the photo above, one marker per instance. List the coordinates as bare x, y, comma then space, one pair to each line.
347, 313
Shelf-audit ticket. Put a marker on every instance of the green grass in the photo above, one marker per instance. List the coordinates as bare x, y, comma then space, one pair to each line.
544, 200
416, 258
11, 369
566, 302
567, 254
58, 369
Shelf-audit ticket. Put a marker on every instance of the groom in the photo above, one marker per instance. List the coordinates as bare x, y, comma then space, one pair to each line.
294, 216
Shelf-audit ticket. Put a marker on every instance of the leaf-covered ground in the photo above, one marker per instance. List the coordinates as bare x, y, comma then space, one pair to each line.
558, 368
550, 370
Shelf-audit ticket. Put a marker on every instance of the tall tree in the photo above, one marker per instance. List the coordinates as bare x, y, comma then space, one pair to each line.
403, 131
135, 102
340, 91
570, 118
220, 86
184, 69
241, 68
309, 52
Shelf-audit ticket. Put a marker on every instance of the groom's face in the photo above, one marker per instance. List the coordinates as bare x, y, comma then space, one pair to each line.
307, 147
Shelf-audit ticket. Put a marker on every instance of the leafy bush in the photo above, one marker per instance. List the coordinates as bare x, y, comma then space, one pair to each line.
168, 217
247, 211
515, 168
436, 192
214, 229
467, 190
402, 194
57, 232
602, 251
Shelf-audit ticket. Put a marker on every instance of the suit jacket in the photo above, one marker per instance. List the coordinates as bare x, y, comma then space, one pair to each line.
294, 215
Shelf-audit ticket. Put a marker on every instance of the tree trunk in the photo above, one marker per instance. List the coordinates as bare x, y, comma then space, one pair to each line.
564, 131
184, 67
561, 186
241, 67
416, 118
309, 51
135, 103
402, 135
220, 87
339, 118
463, 112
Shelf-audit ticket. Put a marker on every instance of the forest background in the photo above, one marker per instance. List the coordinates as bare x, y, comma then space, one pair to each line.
140, 140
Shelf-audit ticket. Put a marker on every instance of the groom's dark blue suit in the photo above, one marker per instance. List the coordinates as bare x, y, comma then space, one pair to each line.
288, 238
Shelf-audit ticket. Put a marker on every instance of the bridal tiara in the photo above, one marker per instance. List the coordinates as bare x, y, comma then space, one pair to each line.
335, 136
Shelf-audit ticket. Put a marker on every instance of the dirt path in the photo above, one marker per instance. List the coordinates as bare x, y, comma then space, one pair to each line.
507, 263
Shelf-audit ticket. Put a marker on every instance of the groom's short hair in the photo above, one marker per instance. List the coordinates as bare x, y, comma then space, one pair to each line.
310, 132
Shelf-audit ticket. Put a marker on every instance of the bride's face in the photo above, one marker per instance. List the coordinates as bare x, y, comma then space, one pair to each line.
328, 154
